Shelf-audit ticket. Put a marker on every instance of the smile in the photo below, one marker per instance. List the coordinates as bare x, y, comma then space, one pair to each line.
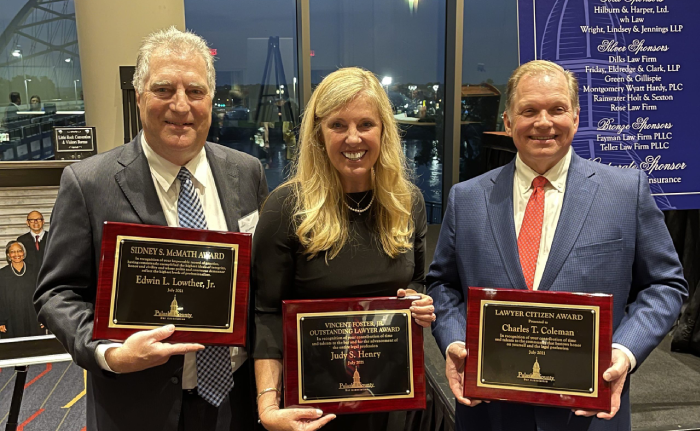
542, 138
354, 156
178, 124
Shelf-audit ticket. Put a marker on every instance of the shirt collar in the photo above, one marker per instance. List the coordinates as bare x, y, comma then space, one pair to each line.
165, 172
556, 175
41, 235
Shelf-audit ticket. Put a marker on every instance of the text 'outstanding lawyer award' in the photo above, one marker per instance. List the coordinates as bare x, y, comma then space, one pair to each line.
353, 355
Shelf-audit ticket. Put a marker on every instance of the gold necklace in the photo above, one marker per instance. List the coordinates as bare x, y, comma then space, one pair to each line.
357, 202
360, 211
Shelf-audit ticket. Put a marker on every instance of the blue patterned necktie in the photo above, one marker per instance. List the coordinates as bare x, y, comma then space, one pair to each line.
214, 374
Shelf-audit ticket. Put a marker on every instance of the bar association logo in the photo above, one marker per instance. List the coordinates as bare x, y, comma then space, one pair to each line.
536, 375
356, 383
174, 313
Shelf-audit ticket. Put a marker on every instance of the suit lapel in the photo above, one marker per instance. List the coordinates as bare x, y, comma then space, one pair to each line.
499, 204
225, 172
578, 197
136, 183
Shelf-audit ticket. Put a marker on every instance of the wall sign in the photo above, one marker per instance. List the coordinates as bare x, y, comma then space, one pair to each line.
74, 143
636, 63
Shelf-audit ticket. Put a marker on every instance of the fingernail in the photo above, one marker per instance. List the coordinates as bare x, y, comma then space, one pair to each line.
170, 327
413, 303
319, 412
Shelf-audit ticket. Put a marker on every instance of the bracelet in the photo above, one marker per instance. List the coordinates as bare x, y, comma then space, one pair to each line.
265, 391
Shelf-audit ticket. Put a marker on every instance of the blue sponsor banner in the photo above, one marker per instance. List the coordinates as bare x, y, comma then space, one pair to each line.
637, 65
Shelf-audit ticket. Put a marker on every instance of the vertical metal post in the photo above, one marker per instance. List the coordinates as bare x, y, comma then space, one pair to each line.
303, 53
17, 395
24, 74
454, 31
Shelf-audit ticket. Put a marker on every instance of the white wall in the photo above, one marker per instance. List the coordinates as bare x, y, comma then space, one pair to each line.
109, 34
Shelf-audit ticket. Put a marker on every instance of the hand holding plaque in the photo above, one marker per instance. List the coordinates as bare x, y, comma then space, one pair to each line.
454, 371
146, 349
616, 376
422, 309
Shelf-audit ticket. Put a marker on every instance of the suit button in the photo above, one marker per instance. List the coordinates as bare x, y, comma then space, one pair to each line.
175, 380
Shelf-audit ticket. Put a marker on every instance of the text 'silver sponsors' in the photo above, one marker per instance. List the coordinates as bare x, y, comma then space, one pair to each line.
636, 71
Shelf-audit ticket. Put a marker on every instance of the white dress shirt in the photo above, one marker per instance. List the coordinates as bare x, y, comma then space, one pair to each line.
167, 186
554, 198
34, 235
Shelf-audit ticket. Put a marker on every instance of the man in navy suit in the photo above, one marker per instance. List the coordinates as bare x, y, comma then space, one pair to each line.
552, 221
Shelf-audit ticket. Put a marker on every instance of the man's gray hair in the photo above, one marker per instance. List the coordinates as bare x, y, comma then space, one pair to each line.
171, 41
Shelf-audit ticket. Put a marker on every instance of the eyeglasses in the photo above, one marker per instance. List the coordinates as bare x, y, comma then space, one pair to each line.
16, 252
35, 220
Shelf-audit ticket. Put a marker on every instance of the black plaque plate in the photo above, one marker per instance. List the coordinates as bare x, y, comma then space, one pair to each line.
544, 348
354, 356
152, 276
541, 347
159, 281
74, 143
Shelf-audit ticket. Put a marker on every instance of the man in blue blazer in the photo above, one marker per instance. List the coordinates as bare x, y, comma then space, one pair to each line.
553, 221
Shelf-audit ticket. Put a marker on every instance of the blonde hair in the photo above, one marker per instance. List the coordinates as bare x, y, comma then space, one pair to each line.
540, 67
321, 220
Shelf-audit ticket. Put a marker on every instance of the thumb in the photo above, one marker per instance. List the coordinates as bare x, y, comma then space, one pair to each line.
457, 351
613, 373
310, 413
162, 333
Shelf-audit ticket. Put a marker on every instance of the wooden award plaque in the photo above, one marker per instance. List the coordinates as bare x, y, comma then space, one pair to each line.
151, 276
353, 355
544, 348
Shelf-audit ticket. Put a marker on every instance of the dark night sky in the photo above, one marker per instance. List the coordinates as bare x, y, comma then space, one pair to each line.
385, 36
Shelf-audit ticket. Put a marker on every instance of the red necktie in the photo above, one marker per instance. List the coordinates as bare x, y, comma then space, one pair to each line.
531, 231
36, 243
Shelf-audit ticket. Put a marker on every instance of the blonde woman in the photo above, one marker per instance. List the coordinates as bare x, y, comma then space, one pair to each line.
348, 223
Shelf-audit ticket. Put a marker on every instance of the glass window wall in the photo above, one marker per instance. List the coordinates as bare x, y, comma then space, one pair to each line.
403, 43
490, 54
256, 108
40, 80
